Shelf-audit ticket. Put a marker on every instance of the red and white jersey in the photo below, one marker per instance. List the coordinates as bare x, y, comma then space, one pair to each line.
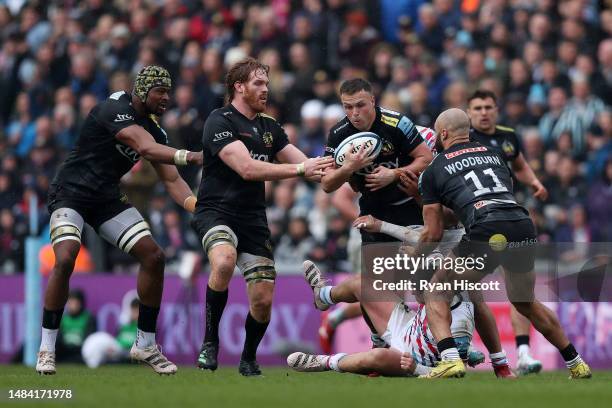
429, 135
409, 332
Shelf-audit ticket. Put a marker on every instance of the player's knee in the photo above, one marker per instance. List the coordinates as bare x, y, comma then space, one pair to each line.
523, 308
261, 304
154, 260
224, 263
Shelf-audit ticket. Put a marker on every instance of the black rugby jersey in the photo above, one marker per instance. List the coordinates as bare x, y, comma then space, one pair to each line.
95, 165
221, 187
474, 181
400, 137
504, 140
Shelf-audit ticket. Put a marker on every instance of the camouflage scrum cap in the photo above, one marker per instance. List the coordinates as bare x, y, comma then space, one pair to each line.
150, 77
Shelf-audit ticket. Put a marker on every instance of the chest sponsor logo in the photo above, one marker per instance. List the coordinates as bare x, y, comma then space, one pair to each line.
341, 127
122, 117
329, 149
260, 157
126, 151
370, 169
221, 136
267, 139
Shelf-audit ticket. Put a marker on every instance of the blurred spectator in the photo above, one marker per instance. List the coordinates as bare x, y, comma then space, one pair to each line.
311, 138
567, 187
77, 323
598, 205
294, 246
12, 234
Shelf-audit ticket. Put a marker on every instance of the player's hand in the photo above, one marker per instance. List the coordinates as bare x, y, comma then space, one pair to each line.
195, 158
408, 183
406, 249
539, 191
367, 223
315, 167
357, 160
380, 178
407, 363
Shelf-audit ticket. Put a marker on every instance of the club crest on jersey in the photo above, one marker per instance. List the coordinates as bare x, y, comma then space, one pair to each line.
268, 139
387, 148
131, 154
508, 148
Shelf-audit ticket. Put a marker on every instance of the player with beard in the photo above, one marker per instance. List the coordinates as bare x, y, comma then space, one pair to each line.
474, 181
482, 111
240, 144
116, 134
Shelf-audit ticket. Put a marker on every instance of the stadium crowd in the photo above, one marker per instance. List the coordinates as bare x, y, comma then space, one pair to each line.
549, 63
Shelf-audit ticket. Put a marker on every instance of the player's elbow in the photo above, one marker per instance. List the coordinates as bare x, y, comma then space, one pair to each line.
146, 151
248, 172
327, 185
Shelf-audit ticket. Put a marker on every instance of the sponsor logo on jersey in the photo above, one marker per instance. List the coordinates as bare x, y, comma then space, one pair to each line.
389, 111
122, 117
389, 120
131, 154
222, 135
370, 169
268, 139
463, 151
341, 127
387, 148
405, 125
260, 157
329, 149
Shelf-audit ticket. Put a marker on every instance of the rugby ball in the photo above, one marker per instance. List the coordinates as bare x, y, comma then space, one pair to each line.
371, 141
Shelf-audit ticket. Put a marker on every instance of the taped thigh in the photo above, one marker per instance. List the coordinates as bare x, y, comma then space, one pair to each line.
125, 229
218, 235
65, 224
256, 268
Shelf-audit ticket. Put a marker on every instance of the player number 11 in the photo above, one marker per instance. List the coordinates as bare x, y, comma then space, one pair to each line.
480, 189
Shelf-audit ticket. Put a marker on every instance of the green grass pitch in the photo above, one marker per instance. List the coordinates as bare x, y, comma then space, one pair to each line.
137, 386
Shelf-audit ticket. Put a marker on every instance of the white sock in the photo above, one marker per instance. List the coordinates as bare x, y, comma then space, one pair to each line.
144, 339
325, 295
334, 360
523, 349
47, 341
498, 359
573, 363
450, 354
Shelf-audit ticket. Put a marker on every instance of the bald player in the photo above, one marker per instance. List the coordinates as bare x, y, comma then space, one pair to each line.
474, 181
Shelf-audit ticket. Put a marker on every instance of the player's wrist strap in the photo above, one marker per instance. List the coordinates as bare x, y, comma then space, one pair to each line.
180, 157
300, 169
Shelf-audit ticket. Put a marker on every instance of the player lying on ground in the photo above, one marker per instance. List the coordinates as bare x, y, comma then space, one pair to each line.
411, 349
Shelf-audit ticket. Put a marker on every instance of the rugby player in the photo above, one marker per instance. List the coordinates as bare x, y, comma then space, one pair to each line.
116, 134
376, 178
474, 181
240, 144
483, 112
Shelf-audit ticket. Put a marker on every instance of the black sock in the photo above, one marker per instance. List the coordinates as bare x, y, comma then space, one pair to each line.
569, 353
52, 318
215, 303
522, 339
147, 318
445, 344
254, 333
368, 320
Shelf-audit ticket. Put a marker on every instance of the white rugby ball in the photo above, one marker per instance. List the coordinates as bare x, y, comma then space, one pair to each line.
372, 142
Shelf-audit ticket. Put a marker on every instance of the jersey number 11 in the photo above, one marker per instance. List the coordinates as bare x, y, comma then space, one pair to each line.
480, 189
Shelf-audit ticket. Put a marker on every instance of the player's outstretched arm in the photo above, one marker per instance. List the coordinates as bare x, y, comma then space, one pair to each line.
236, 156
334, 178
292, 155
140, 140
176, 186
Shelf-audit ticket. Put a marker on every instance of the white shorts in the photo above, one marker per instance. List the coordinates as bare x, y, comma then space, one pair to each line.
449, 240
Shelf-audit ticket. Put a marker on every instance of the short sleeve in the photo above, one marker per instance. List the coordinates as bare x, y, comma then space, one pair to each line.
333, 140
281, 140
518, 146
427, 187
410, 134
116, 114
218, 133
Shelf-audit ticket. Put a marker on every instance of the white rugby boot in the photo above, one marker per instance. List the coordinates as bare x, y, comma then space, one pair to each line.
154, 358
